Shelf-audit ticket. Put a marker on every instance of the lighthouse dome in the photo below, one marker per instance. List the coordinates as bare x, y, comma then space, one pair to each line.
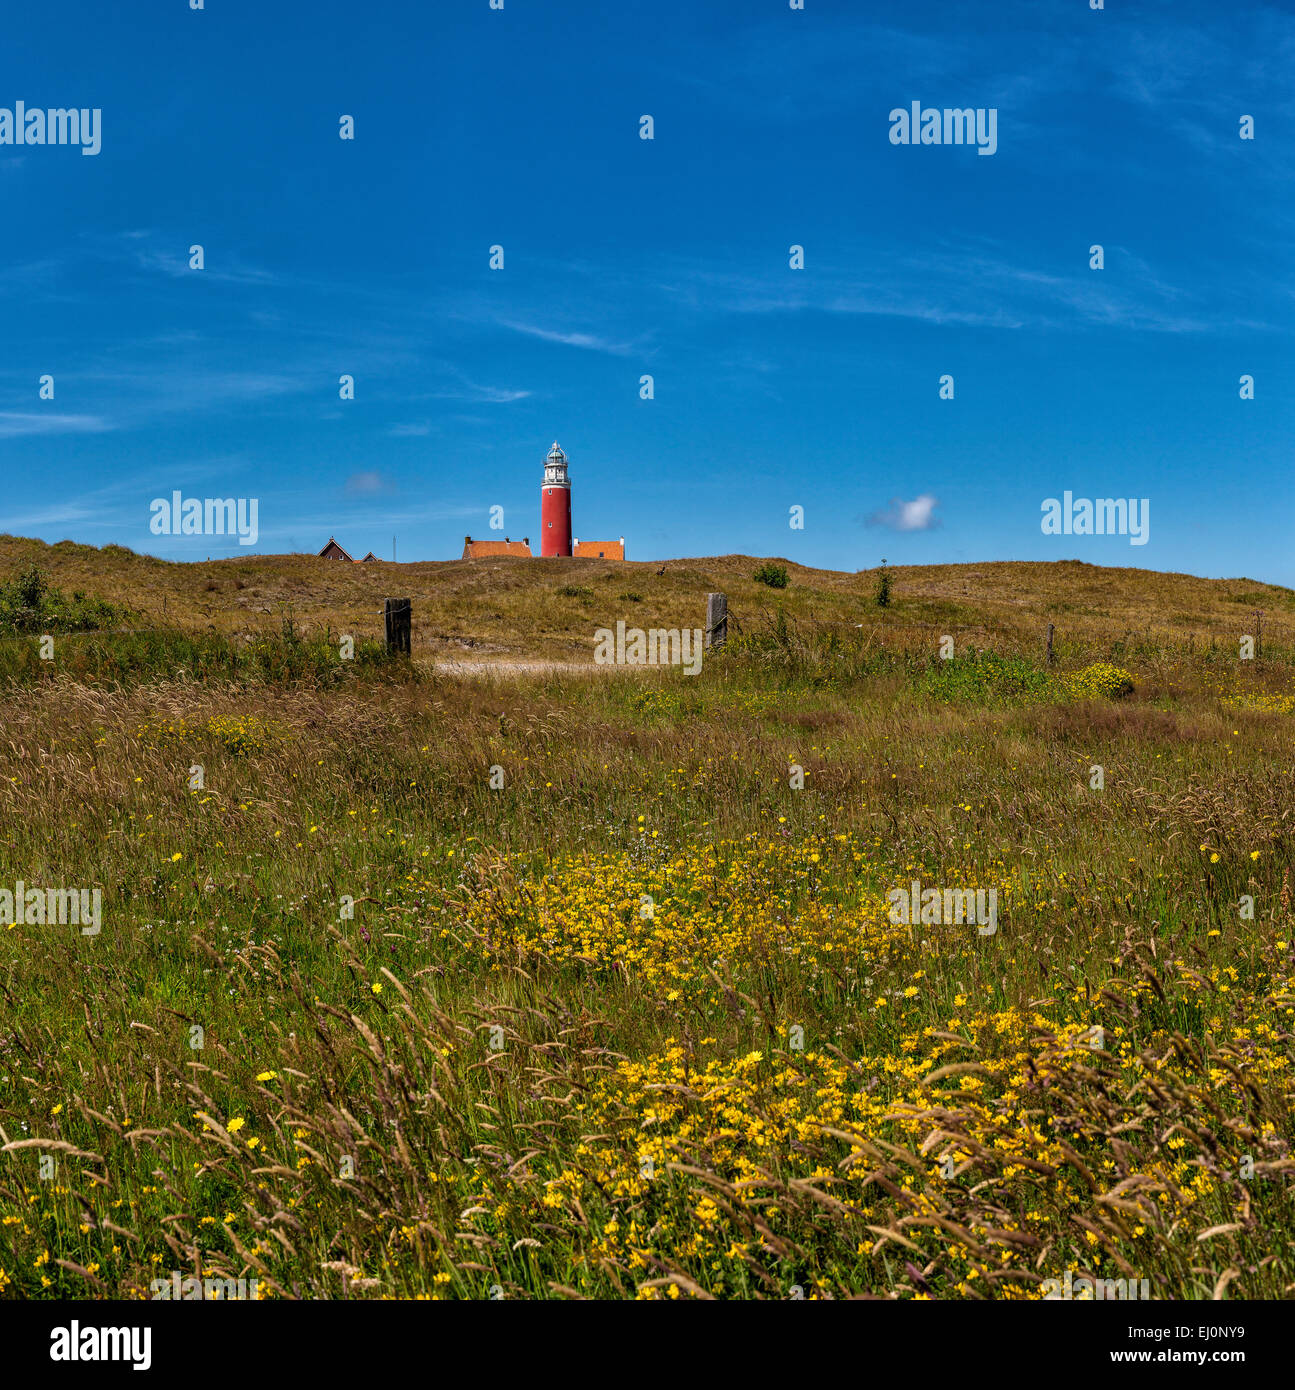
555, 453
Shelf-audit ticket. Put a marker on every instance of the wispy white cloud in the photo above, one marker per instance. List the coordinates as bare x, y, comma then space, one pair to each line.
977, 284
14, 423
482, 395
230, 269
166, 387
592, 341
59, 514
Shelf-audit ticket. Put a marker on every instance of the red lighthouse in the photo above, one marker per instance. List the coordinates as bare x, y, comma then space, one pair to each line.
555, 505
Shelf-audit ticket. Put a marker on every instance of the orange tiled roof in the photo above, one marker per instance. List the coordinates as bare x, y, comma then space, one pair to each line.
478, 550
593, 550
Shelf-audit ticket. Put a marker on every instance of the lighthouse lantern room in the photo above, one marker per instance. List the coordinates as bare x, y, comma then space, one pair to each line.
555, 505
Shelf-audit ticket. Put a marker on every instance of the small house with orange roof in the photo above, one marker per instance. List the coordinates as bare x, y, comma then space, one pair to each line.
598, 550
480, 550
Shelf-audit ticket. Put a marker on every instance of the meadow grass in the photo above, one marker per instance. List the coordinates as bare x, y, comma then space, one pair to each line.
575, 986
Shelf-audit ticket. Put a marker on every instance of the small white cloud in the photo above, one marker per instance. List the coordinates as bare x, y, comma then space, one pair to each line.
368, 484
917, 515
497, 395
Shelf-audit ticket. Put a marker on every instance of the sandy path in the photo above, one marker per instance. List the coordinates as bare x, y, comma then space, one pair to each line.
506, 666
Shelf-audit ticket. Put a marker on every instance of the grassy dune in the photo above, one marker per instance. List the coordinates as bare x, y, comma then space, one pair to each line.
444, 984
506, 608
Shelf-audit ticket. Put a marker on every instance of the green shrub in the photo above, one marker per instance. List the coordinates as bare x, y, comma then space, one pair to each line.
28, 604
775, 576
984, 678
882, 594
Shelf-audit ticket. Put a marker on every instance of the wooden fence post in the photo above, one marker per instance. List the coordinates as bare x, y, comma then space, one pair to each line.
716, 620
399, 619
1050, 657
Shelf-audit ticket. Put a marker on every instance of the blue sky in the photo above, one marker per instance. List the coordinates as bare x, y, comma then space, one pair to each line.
774, 387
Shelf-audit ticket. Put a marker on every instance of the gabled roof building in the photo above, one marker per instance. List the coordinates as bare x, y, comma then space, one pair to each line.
480, 550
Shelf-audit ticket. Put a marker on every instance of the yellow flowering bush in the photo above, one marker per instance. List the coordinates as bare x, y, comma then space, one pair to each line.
1100, 680
239, 735
1261, 704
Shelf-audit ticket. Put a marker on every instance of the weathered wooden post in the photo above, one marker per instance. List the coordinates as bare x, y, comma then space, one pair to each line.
399, 618
716, 620
1050, 657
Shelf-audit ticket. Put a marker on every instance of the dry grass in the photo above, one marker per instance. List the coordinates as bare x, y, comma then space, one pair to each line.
513, 608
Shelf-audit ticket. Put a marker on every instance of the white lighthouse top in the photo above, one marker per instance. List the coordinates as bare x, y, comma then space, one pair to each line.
555, 467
